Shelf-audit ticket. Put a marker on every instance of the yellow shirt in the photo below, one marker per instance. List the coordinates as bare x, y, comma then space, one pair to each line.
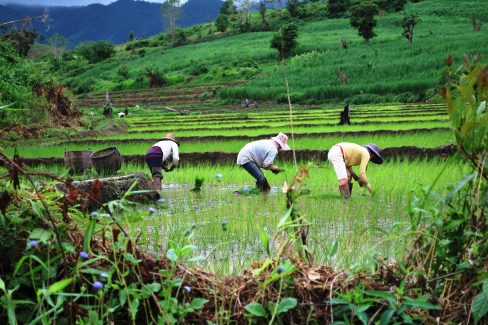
356, 155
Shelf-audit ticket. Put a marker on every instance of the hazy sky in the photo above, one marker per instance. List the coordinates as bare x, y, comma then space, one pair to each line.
65, 2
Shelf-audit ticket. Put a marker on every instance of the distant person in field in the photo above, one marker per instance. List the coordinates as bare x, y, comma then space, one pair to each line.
159, 156
345, 116
247, 102
344, 155
261, 154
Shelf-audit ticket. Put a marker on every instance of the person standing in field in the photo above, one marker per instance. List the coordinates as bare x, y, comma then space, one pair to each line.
158, 158
344, 155
261, 154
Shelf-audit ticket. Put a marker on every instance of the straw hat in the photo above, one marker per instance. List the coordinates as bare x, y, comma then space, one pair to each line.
170, 137
376, 157
281, 139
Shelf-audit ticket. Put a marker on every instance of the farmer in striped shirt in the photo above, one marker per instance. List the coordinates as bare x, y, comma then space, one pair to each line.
344, 155
159, 156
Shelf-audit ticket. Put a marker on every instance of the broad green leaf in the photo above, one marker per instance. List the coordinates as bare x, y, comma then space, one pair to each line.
187, 250
286, 304
363, 317
2, 285
485, 287
381, 294
93, 317
90, 230
467, 127
264, 240
196, 259
482, 108
171, 255
155, 286
256, 309
459, 186
386, 316
284, 219
197, 303
420, 304
338, 301
40, 234
93, 271
58, 286
122, 297
134, 307
479, 307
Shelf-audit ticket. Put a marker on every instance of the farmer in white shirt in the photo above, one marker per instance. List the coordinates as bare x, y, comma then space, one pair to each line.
261, 154
158, 157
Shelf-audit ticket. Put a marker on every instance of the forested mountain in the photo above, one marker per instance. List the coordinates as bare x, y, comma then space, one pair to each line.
111, 22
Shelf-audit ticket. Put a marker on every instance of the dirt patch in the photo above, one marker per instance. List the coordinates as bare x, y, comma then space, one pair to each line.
406, 152
59, 107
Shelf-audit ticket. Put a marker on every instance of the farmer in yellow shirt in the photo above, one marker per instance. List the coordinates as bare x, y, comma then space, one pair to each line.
344, 155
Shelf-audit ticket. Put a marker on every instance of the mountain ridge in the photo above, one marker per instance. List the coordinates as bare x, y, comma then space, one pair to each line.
111, 22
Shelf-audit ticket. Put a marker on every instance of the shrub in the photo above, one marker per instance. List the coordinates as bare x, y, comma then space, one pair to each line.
285, 40
123, 71
95, 52
156, 77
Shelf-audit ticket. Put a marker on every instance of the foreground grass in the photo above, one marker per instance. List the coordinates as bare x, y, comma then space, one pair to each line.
225, 226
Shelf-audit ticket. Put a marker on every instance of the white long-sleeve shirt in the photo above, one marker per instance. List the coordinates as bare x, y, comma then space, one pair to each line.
169, 149
262, 152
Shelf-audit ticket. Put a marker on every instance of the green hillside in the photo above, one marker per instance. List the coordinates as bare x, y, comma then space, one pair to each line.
388, 69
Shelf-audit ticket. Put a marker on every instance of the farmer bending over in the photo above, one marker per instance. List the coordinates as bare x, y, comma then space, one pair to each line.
261, 154
344, 155
158, 156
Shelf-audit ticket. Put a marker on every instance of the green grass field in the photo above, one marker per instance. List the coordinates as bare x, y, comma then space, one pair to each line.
387, 70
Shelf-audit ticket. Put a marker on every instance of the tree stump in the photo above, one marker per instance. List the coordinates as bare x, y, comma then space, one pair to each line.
114, 188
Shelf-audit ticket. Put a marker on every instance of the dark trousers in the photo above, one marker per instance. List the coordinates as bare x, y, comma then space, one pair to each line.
255, 171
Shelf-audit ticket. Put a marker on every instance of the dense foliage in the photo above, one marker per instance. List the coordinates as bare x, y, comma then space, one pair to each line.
17, 77
325, 66
362, 18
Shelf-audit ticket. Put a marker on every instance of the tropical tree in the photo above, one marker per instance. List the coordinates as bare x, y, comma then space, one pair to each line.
337, 8
262, 13
222, 22
244, 7
362, 18
58, 45
171, 11
95, 52
228, 8
20, 39
408, 24
285, 40
295, 8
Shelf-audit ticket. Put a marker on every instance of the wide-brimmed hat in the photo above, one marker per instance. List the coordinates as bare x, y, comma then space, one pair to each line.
376, 157
170, 137
281, 139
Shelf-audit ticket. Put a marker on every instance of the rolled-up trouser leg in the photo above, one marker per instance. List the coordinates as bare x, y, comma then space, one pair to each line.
157, 176
255, 171
344, 189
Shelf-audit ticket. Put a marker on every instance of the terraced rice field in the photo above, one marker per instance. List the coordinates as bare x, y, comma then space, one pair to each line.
225, 226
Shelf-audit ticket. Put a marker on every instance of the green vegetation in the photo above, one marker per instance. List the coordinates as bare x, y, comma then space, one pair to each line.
331, 62
17, 77
212, 249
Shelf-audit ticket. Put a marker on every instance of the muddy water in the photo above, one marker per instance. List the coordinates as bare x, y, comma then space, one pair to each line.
225, 226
